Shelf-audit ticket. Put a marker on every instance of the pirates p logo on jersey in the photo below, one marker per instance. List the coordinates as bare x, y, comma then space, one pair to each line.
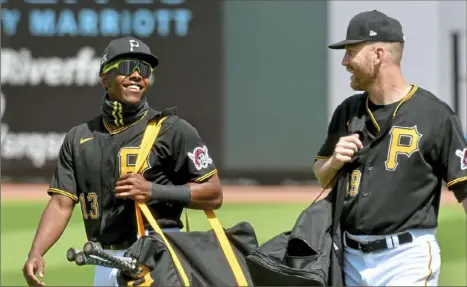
463, 155
200, 157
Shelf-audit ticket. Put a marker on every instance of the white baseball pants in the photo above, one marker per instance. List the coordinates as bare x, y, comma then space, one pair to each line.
104, 276
417, 263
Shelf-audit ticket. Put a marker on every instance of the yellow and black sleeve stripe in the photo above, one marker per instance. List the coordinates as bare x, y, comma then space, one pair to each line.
50, 191
456, 180
321, 157
206, 176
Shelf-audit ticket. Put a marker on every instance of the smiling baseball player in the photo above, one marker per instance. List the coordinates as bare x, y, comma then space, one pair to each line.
97, 157
393, 193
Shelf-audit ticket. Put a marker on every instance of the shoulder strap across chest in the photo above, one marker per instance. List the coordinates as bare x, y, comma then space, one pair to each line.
149, 138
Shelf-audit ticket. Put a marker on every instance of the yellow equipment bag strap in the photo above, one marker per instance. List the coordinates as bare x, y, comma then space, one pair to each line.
226, 248
147, 143
149, 138
139, 221
225, 245
153, 223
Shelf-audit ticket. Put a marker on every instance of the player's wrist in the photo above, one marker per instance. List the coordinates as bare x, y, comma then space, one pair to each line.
34, 253
171, 193
334, 164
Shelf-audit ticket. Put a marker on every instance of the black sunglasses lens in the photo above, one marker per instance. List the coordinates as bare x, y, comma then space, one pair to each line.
128, 67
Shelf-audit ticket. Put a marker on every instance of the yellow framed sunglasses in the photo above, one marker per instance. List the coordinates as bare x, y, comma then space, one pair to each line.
127, 67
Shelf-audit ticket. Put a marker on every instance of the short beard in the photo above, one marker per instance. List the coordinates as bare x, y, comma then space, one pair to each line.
360, 83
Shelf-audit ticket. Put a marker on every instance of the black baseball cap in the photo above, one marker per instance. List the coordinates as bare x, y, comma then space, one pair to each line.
128, 47
371, 26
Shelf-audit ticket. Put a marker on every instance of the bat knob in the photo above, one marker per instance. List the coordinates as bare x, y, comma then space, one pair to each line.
80, 258
71, 254
90, 248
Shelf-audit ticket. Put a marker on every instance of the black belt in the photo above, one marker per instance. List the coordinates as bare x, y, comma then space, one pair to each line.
119, 246
377, 245
126, 244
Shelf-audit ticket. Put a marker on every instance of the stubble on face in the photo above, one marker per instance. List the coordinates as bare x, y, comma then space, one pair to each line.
358, 61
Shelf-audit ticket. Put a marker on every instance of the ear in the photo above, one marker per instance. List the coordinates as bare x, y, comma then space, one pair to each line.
104, 81
380, 53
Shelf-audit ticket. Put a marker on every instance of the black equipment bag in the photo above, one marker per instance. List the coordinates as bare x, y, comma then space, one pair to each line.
307, 255
200, 255
213, 258
311, 254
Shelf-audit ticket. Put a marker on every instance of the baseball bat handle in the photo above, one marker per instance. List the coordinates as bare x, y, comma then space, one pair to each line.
124, 264
95, 255
83, 259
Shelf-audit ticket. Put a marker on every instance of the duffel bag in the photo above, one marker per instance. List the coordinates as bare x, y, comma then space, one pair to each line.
216, 257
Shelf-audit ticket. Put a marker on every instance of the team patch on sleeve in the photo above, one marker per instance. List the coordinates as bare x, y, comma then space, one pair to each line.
200, 157
463, 156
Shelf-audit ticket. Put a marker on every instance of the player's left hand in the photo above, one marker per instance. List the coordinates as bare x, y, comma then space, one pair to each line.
133, 186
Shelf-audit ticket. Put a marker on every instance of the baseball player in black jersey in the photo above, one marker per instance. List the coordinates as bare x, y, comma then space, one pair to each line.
406, 143
96, 157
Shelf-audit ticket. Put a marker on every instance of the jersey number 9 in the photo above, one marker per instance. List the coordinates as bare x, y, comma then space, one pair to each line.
92, 211
354, 184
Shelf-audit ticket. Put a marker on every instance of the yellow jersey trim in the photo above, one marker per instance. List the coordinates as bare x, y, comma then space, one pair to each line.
405, 99
321, 157
206, 176
456, 180
122, 128
63, 192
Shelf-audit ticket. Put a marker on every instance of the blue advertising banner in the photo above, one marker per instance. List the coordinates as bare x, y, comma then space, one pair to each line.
50, 60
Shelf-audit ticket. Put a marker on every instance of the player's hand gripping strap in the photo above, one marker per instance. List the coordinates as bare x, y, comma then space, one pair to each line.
149, 138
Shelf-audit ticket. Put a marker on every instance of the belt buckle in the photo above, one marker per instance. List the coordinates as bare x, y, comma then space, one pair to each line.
368, 249
365, 248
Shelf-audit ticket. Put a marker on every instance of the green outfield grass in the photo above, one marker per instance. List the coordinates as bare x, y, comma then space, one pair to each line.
19, 220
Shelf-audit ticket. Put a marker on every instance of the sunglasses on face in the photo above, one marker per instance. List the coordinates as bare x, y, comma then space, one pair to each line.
128, 67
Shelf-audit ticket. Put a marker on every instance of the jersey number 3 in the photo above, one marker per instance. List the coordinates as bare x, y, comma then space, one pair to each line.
93, 211
404, 141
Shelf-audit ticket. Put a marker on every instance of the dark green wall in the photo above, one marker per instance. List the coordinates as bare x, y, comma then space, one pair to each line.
275, 83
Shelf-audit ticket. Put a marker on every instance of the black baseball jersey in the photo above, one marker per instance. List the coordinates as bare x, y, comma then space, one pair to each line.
91, 160
397, 184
